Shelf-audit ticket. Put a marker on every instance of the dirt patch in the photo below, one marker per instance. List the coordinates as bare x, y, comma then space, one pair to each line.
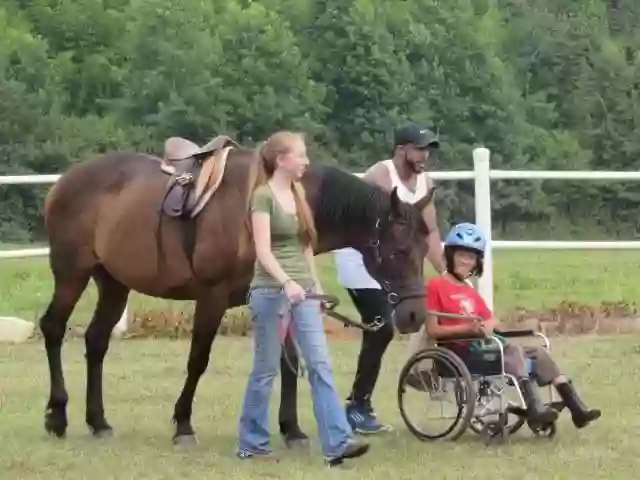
178, 324
566, 318
570, 318
237, 322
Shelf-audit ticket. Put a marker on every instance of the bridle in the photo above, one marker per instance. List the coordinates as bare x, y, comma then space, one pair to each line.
391, 288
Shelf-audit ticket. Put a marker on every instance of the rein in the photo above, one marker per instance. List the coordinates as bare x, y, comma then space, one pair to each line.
330, 302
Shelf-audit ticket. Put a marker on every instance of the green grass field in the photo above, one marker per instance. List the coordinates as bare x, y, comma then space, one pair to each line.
143, 379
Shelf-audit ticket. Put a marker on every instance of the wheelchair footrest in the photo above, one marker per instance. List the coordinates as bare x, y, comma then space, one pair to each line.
517, 410
522, 412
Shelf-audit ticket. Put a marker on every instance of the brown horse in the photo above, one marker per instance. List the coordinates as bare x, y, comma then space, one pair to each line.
104, 221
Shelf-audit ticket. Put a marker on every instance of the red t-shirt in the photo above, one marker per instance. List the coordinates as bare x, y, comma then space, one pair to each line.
446, 296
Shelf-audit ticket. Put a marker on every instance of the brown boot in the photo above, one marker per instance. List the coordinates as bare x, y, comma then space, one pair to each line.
580, 413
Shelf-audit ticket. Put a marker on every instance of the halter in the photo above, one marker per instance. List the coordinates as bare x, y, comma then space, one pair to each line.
387, 285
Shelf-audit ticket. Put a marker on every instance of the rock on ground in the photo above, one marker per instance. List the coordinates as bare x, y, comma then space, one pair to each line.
15, 330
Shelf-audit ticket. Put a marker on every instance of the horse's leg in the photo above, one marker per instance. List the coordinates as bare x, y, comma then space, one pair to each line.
112, 300
209, 311
288, 414
53, 324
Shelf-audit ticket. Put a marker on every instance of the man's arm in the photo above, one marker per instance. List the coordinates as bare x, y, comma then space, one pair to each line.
435, 254
378, 174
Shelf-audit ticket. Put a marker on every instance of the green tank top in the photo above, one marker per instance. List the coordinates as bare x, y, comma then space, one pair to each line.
285, 242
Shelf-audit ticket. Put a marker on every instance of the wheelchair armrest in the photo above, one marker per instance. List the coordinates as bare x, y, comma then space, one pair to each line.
464, 337
516, 332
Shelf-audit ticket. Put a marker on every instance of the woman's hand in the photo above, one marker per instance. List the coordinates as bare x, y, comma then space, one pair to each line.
324, 306
295, 293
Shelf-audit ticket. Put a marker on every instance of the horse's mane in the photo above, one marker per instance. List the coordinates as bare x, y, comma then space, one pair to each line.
344, 198
348, 201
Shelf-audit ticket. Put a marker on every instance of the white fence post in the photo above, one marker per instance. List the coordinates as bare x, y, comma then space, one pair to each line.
482, 182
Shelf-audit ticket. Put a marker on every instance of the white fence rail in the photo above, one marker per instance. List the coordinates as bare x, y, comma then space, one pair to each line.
482, 176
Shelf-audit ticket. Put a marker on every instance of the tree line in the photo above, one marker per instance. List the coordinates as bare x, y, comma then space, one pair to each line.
544, 84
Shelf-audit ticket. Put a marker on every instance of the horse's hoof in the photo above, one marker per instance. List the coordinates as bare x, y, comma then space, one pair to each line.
185, 441
55, 427
103, 433
297, 443
296, 440
56, 431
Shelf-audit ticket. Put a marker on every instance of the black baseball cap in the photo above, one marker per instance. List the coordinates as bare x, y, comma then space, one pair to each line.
412, 133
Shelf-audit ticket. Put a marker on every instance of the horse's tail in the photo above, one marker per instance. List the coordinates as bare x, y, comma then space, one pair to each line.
48, 200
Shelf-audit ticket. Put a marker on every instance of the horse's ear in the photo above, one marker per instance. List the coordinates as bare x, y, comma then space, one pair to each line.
426, 200
395, 202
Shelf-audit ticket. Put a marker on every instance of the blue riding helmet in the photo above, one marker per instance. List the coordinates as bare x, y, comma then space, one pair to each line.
466, 235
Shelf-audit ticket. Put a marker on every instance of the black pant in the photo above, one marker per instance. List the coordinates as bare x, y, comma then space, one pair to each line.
372, 305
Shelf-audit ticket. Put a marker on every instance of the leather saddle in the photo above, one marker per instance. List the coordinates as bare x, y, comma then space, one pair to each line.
195, 173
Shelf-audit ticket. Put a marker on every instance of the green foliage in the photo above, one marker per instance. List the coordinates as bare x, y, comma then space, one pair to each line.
551, 84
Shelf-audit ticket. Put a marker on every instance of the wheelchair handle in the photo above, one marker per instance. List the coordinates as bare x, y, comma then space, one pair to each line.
472, 318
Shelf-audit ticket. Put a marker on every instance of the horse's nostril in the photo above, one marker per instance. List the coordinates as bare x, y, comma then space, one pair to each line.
412, 317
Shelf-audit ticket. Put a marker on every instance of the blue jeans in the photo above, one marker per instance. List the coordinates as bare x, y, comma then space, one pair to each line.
266, 304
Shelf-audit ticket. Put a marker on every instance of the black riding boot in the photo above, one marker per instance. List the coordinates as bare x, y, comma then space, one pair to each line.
537, 412
580, 413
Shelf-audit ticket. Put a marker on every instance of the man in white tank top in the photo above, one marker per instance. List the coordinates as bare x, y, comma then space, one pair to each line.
406, 171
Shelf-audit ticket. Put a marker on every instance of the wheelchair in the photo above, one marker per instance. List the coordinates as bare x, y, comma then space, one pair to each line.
479, 387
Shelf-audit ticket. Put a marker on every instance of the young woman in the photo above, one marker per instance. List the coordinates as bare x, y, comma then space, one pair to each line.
452, 293
284, 236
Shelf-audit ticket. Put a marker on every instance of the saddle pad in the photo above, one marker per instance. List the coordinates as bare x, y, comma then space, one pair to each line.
209, 180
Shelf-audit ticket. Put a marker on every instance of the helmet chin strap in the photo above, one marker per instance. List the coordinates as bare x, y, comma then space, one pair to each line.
458, 277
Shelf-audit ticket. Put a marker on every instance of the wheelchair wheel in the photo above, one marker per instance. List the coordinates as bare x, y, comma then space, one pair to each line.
495, 431
546, 431
512, 425
493, 405
448, 374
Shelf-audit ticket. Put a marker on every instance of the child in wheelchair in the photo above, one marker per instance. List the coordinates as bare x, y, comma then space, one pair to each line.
452, 293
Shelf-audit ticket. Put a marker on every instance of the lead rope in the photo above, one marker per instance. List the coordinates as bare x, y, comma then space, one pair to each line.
330, 302
284, 327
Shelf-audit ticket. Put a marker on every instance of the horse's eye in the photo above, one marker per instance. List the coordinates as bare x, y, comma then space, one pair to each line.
399, 253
